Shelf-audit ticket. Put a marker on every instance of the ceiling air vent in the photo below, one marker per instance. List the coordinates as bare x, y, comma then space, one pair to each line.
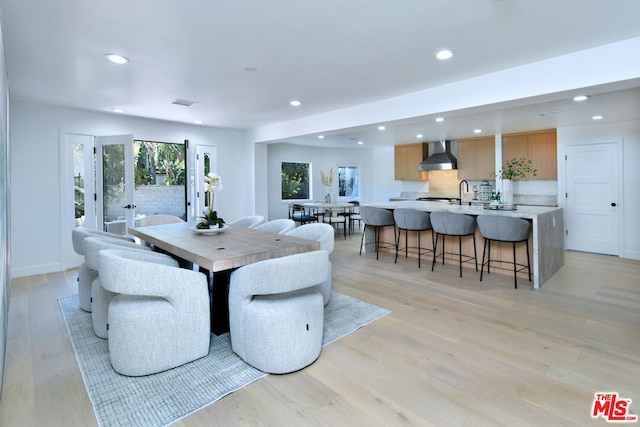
183, 102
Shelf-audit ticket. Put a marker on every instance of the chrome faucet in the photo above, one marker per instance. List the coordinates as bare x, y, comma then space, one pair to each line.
460, 190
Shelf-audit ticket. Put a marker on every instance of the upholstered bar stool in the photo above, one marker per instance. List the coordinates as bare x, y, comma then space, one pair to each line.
411, 220
453, 224
505, 229
377, 218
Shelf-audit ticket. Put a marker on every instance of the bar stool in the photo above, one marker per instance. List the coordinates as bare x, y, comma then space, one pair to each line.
377, 218
412, 220
453, 224
505, 229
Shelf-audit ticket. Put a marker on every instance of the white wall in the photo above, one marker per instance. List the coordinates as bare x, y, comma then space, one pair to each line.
629, 134
320, 159
36, 239
5, 219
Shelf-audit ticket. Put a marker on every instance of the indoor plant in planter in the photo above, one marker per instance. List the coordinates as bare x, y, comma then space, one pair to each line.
327, 181
210, 219
516, 168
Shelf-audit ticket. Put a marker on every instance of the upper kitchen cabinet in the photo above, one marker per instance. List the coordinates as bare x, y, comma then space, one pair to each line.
407, 158
539, 146
476, 157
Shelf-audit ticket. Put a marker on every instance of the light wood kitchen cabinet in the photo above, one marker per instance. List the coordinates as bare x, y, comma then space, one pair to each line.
539, 146
476, 157
407, 157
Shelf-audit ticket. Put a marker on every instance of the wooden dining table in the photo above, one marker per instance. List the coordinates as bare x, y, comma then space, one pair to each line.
220, 254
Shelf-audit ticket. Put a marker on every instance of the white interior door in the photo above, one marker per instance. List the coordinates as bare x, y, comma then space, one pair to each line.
115, 205
592, 198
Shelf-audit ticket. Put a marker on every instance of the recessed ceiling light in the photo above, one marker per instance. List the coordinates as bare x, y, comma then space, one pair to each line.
198, 122
477, 131
320, 136
444, 54
419, 135
117, 110
439, 119
116, 59
598, 117
295, 103
580, 98
360, 142
381, 127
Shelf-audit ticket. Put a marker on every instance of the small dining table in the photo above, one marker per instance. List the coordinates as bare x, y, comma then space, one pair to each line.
332, 207
221, 253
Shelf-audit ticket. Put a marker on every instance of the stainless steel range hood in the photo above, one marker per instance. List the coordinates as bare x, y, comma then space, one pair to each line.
441, 159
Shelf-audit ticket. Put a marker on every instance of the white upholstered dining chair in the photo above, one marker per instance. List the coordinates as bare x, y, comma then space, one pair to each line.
87, 275
160, 316
248, 221
324, 234
100, 297
277, 226
276, 313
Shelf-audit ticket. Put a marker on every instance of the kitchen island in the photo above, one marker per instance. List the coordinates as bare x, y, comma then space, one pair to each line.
546, 241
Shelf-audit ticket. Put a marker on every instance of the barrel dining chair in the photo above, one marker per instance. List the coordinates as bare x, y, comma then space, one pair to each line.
160, 317
86, 275
251, 221
100, 297
158, 220
277, 226
322, 233
276, 313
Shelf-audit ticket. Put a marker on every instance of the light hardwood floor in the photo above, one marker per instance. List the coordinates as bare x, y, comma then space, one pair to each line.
453, 352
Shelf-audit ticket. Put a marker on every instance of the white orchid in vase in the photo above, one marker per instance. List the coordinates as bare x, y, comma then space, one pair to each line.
212, 183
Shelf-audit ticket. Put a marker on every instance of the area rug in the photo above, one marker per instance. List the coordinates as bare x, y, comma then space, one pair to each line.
164, 398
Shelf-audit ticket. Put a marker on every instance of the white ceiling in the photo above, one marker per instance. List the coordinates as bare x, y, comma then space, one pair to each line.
330, 54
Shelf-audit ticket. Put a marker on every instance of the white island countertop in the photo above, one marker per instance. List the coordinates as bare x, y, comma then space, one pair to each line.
526, 212
547, 229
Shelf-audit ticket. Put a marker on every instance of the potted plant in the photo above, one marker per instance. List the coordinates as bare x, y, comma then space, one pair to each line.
516, 168
210, 219
327, 181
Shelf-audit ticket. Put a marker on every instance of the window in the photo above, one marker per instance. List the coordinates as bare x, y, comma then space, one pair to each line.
348, 181
160, 178
295, 181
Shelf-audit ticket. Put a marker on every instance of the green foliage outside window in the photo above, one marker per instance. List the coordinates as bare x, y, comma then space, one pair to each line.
158, 159
295, 181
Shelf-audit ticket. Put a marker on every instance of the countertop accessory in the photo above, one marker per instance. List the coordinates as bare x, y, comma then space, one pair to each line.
491, 207
484, 192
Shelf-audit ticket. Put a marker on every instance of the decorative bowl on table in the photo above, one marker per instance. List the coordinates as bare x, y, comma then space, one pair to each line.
209, 231
210, 224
